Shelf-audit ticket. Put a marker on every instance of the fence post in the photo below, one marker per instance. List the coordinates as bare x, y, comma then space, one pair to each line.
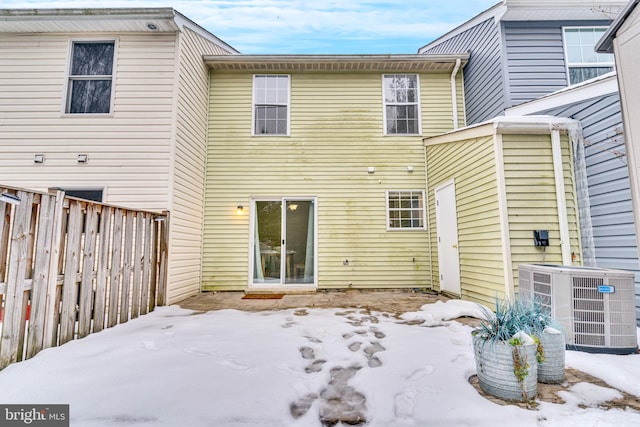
14, 315
164, 259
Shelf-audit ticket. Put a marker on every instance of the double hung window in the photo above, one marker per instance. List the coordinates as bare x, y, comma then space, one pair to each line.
583, 62
401, 104
271, 104
90, 77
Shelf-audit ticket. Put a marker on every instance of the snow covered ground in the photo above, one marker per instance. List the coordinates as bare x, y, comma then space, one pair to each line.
228, 368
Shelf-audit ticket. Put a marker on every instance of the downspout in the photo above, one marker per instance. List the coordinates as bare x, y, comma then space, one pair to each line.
426, 179
563, 220
454, 93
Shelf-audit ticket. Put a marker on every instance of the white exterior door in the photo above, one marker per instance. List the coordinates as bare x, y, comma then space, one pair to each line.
447, 229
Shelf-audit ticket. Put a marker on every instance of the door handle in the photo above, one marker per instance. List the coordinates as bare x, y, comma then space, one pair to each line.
454, 246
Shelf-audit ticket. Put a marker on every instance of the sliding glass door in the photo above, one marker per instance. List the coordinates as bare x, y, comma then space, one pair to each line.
283, 243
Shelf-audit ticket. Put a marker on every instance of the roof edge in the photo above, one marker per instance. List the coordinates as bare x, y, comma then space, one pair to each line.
494, 11
504, 125
599, 86
87, 13
297, 60
605, 44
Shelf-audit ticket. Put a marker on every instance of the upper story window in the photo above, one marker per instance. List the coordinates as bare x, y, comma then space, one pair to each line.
401, 104
90, 77
405, 210
583, 62
271, 104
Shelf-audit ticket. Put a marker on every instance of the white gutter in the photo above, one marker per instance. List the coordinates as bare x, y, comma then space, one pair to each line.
454, 93
563, 220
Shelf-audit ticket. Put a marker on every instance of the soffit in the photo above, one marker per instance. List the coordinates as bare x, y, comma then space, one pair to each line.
86, 20
336, 63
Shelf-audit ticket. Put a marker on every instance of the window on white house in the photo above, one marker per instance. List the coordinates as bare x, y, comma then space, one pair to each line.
271, 104
583, 62
401, 104
90, 77
405, 210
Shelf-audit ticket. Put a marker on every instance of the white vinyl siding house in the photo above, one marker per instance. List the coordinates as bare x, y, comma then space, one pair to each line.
147, 151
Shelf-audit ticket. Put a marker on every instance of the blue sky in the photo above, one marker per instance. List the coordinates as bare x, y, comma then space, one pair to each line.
308, 26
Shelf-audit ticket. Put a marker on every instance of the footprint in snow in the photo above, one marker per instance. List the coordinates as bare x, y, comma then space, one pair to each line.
307, 353
355, 346
233, 365
197, 352
405, 403
316, 366
419, 373
313, 340
302, 405
150, 345
376, 333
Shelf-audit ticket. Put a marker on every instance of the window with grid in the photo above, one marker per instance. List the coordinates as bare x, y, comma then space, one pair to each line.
402, 108
90, 77
583, 62
271, 104
405, 210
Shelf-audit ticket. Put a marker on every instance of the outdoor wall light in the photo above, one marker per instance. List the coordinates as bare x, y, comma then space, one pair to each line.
83, 158
38, 158
240, 210
10, 198
152, 26
409, 169
371, 169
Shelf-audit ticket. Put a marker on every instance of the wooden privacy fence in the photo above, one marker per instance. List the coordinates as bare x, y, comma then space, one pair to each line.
70, 267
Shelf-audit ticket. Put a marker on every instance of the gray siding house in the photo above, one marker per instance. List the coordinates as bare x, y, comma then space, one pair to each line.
521, 50
538, 58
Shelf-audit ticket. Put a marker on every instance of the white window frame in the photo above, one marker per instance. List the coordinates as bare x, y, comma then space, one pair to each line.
253, 106
423, 210
67, 87
569, 65
252, 225
417, 104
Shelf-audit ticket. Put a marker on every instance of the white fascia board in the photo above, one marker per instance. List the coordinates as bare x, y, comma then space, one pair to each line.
600, 86
505, 125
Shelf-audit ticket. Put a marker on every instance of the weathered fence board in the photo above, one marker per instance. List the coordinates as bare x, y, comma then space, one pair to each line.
12, 325
103, 269
88, 273
70, 267
40, 276
116, 257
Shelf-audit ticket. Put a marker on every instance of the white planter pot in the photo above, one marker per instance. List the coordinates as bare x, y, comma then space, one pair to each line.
494, 366
551, 370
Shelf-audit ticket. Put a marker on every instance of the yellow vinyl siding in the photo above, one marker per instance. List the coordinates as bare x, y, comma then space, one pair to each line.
531, 198
471, 163
128, 150
189, 159
336, 134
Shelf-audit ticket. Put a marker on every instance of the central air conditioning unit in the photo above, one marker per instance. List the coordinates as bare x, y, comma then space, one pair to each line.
596, 307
